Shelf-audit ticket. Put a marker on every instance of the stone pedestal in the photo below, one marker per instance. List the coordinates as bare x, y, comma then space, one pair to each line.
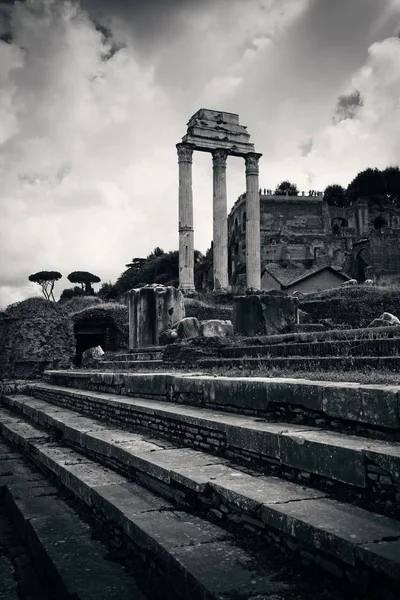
267, 314
186, 232
152, 309
253, 260
220, 221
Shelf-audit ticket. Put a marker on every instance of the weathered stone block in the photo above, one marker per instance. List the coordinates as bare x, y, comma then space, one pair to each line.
386, 319
90, 356
216, 328
264, 314
153, 309
188, 328
319, 453
365, 404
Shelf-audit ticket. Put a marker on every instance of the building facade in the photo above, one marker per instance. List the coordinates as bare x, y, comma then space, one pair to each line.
305, 231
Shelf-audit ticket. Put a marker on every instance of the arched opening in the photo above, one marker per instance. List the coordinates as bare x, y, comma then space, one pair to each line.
236, 225
93, 332
244, 223
337, 224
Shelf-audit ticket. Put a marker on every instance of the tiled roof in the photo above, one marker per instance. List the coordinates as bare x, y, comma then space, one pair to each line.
294, 273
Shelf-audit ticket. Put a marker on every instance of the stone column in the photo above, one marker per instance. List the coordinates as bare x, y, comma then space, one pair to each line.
220, 221
253, 260
186, 232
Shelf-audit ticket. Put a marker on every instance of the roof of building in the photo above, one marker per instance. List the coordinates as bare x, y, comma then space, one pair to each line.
293, 273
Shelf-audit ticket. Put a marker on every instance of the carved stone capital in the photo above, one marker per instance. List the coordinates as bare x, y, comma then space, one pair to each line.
219, 158
251, 160
185, 153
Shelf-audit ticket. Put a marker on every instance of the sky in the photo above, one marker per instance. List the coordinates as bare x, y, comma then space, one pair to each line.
94, 96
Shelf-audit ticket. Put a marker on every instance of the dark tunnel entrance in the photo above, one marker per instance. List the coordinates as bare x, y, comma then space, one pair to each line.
90, 333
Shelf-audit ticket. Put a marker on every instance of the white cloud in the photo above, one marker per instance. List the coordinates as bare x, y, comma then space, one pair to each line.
372, 138
74, 131
88, 165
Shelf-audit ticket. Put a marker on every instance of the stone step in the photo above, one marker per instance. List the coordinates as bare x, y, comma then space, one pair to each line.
367, 469
332, 334
364, 470
199, 560
137, 354
324, 348
18, 576
307, 327
66, 557
367, 409
301, 363
343, 536
130, 364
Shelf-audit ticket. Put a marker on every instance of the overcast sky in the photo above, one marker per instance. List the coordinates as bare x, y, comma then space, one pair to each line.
89, 123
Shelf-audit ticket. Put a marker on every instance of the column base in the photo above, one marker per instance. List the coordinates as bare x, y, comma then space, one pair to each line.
187, 289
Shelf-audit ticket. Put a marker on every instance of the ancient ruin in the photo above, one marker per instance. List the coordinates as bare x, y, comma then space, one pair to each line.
307, 245
221, 134
152, 310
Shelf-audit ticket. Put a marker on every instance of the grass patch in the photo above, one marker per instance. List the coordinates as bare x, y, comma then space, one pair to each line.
367, 376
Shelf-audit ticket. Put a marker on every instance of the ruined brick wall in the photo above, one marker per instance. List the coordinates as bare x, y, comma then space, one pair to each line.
35, 335
356, 307
304, 229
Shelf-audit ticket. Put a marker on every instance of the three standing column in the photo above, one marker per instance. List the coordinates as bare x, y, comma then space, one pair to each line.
186, 232
220, 221
253, 258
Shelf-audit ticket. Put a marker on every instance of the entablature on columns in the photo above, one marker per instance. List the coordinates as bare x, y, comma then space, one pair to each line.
209, 130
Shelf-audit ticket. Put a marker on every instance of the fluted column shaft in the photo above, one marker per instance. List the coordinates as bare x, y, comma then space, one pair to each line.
253, 259
186, 232
220, 221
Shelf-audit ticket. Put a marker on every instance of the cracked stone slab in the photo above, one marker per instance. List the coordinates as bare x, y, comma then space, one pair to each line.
382, 556
159, 532
198, 478
249, 493
161, 463
116, 444
223, 569
334, 527
126, 499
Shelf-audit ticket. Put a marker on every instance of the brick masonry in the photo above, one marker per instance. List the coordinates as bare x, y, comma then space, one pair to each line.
375, 488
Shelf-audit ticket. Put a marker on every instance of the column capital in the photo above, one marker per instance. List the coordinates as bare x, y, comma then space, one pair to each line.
219, 156
185, 152
251, 160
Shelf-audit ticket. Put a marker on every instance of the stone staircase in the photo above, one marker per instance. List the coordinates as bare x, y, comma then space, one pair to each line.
341, 349
211, 484
142, 358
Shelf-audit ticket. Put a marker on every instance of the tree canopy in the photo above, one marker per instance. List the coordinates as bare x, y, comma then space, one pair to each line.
158, 267
46, 280
286, 187
335, 195
85, 279
367, 183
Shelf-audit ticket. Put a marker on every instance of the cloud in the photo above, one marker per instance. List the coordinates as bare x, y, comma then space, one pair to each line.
94, 98
347, 106
72, 126
370, 136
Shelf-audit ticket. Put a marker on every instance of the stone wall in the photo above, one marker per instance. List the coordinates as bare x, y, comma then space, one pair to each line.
356, 307
307, 230
373, 485
35, 335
